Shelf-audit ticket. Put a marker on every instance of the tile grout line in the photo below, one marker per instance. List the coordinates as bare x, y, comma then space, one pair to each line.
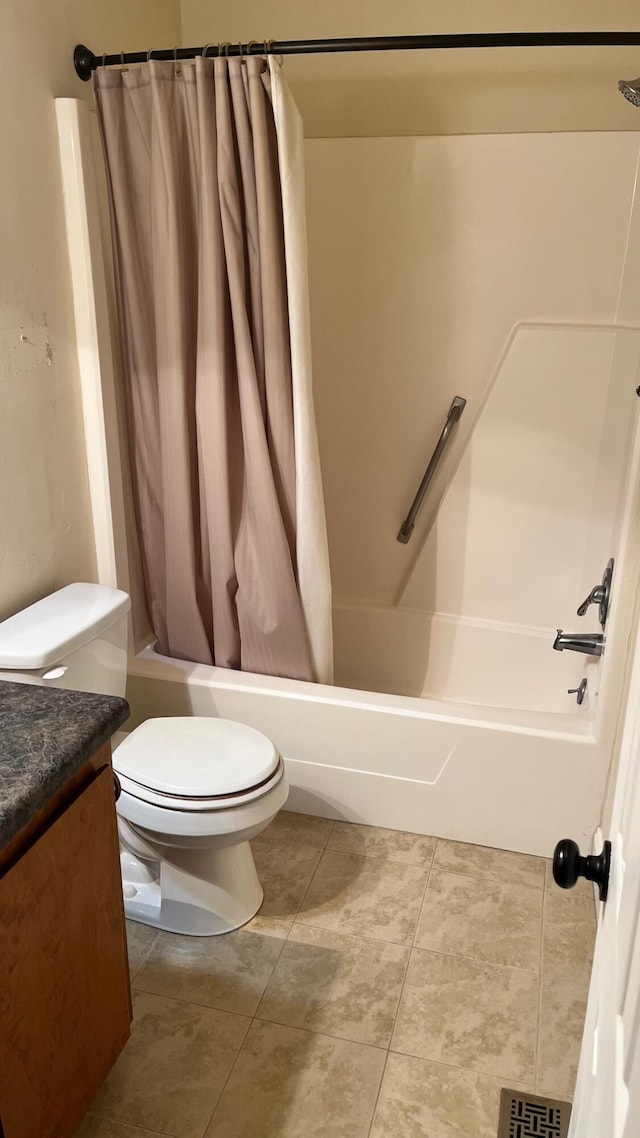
128, 1126
536, 1056
144, 959
410, 948
433, 951
469, 876
226, 1081
469, 1070
304, 895
375, 1105
402, 988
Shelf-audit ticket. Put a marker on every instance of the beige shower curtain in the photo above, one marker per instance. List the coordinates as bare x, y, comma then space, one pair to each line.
220, 426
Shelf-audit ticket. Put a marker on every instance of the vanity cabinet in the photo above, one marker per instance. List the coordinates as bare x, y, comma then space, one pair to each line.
65, 1005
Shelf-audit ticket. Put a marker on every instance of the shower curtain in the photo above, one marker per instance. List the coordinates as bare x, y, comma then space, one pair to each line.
205, 171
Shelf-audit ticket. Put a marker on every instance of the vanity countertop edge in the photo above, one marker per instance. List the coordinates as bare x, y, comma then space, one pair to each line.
46, 736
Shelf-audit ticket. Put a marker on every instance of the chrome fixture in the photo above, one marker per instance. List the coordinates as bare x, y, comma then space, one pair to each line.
580, 691
600, 595
630, 88
453, 414
589, 643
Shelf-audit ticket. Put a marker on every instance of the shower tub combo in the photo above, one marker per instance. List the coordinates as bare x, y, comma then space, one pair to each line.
491, 751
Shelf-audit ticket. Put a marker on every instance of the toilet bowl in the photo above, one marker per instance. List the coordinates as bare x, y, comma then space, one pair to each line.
194, 791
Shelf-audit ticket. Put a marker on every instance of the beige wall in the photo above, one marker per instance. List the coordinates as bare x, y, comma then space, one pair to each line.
453, 92
45, 536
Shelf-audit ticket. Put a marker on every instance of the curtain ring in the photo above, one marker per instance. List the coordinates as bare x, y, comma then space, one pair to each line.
268, 50
250, 45
223, 49
240, 51
103, 64
150, 53
124, 66
177, 70
206, 48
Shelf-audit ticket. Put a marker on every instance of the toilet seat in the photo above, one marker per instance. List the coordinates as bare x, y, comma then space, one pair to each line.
194, 805
196, 763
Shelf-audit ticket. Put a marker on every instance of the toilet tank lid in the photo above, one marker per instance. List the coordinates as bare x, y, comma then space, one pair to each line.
52, 628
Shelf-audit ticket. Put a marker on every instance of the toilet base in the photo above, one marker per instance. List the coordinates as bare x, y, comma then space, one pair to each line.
196, 892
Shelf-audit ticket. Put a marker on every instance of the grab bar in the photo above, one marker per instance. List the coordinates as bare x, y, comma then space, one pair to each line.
453, 414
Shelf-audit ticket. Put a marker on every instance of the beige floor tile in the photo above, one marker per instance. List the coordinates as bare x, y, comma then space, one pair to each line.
336, 984
289, 1083
140, 941
582, 890
419, 1099
469, 1014
302, 829
389, 845
285, 871
569, 929
270, 926
364, 897
563, 1005
103, 1128
227, 972
170, 1074
498, 865
482, 919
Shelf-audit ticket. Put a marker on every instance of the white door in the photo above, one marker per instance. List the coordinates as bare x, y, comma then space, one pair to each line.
607, 1100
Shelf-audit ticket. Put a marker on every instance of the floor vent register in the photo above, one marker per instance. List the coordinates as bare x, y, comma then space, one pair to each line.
531, 1116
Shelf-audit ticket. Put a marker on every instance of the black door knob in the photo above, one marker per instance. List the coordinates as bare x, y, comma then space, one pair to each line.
569, 865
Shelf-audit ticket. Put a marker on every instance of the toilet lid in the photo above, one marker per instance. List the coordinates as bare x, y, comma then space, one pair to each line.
196, 757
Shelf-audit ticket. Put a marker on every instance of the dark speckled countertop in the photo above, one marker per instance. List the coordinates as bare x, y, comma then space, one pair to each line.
46, 734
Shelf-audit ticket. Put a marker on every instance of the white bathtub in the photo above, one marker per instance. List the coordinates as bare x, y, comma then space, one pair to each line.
512, 779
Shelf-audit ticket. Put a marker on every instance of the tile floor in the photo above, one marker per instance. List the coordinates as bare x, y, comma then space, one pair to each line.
389, 987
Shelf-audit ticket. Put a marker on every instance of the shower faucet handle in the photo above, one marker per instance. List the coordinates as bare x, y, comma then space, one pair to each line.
600, 595
595, 597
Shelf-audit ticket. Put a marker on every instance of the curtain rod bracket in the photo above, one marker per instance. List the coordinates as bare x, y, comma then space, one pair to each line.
84, 61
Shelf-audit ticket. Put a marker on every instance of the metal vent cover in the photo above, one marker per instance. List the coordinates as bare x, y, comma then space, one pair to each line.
531, 1116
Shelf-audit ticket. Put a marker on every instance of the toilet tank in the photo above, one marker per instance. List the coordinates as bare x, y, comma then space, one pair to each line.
74, 638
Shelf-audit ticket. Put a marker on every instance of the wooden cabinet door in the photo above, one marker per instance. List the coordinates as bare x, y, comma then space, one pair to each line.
64, 979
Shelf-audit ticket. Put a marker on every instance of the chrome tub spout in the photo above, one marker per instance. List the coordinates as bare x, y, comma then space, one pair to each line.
588, 643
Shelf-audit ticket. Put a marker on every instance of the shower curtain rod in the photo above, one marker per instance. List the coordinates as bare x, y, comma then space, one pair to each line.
85, 61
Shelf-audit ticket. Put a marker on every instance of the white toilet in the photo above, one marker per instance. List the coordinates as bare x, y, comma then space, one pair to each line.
194, 790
